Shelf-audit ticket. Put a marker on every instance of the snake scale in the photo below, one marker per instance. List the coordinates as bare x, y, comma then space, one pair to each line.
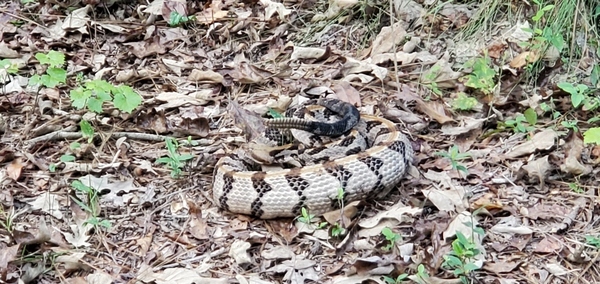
372, 172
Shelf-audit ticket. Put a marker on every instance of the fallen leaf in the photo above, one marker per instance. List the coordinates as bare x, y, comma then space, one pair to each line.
13, 170
574, 147
543, 140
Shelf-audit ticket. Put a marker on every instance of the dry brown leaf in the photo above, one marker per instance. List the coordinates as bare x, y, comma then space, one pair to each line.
14, 169
548, 245
468, 124
543, 140
273, 7
207, 76
574, 147
345, 92
524, 58
198, 226
538, 168
434, 110
388, 38
142, 49
309, 53
335, 7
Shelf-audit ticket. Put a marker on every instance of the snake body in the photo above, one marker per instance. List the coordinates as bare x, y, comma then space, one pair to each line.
284, 192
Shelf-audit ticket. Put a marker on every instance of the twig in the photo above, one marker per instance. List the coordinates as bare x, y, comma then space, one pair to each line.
69, 134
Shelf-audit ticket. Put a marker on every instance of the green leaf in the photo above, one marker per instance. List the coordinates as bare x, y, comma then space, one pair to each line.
79, 97
86, 130
95, 104
592, 136
577, 99
55, 58
57, 74
126, 99
531, 116
74, 145
78, 185
185, 157
52, 167
67, 158
164, 160
595, 76
567, 87
464, 102
35, 80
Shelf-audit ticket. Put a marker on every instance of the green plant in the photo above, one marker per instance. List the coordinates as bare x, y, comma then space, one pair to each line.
308, 219
55, 74
592, 136
401, 278
90, 203
8, 218
93, 94
87, 131
454, 155
518, 123
576, 188
570, 124
174, 160
460, 260
422, 275
550, 107
176, 19
593, 241
390, 237
580, 94
464, 102
430, 77
10, 67
337, 230
482, 75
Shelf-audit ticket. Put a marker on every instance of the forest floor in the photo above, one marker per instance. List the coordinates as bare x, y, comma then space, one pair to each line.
114, 114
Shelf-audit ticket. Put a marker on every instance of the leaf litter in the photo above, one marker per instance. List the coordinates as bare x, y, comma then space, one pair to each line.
532, 193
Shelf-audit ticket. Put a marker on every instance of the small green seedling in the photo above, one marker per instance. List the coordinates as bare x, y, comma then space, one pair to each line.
430, 77
460, 259
518, 124
580, 95
90, 203
593, 241
422, 275
482, 77
464, 102
307, 218
174, 160
401, 278
87, 131
576, 188
391, 237
454, 155
93, 94
176, 19
55, 74
337, 230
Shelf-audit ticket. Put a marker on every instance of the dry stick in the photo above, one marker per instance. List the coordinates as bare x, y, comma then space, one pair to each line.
69, 134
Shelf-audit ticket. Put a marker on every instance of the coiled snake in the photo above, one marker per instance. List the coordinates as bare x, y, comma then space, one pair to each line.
360, 174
